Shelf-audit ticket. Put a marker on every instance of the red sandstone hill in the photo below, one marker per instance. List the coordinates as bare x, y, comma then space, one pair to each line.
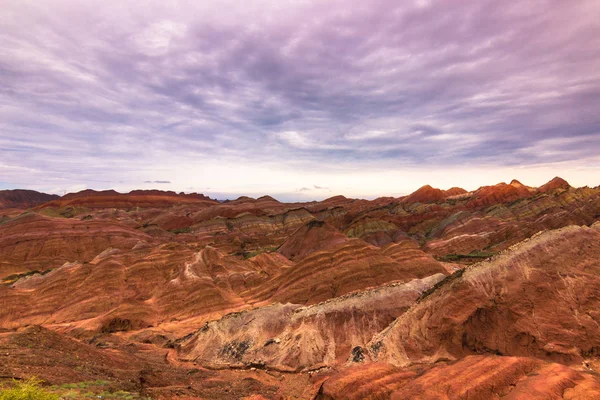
23, 199
425, 194
152, 192
555, 183
538, 299
313, 236
171, 295
454, 191
523, 325
500, 193
37, 242
137, 198
428, 194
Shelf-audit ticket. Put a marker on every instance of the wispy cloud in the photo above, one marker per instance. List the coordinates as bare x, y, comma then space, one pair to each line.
313, 188
94, 94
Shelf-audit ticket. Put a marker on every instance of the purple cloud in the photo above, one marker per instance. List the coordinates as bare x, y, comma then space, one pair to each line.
98, 93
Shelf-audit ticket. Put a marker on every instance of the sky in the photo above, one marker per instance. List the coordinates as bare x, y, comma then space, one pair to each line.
301, 99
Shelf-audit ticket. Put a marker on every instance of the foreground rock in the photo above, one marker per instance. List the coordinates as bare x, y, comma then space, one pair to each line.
474, 377
293, 338
540, 299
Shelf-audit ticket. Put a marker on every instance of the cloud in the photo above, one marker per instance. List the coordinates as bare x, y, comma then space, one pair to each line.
312, 189
93, 94
157, 181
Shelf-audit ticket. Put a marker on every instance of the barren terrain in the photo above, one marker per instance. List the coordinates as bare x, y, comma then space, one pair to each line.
441, 294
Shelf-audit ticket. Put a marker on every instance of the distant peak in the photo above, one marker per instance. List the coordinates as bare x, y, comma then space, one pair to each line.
244, 198
267, 198
515, 182
23, 198
90, 192
559, 180
425, 187
334, 199
425, 194
554, 183
455, 191
520, 187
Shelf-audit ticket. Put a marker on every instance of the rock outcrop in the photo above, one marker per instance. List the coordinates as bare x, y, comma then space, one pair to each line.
428, 194
538, 299
292, 338
555, 183
442, 294
23, 199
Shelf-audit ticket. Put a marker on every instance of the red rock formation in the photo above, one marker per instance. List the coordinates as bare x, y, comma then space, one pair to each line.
425, 194
267, 199
351, 265
109, 364
159, 281
474, 377
454, 191
376, 232
141, 287
538, 300
500, 193
486, 377
555, 183
428, 194
23, 199
291, 338
36, 242
137, 198
313, 236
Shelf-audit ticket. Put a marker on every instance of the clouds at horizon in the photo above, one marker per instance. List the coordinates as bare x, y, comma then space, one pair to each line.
274, 96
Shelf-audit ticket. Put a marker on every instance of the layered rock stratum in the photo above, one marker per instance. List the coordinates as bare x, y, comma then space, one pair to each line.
441, 294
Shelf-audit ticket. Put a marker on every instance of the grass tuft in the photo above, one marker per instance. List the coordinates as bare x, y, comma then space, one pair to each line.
30, 389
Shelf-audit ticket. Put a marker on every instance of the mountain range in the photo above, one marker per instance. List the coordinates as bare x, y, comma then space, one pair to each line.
441, 294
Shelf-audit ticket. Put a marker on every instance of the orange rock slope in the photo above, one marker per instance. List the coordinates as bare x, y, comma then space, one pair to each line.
439, 294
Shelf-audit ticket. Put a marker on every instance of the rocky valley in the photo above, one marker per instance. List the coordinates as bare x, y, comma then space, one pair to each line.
441, 294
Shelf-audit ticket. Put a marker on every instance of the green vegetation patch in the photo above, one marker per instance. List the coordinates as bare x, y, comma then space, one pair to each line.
30, 389
92, 390
185, 229
63, 212
250, 254
472, 256
447, 280
82, 385
10, 279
